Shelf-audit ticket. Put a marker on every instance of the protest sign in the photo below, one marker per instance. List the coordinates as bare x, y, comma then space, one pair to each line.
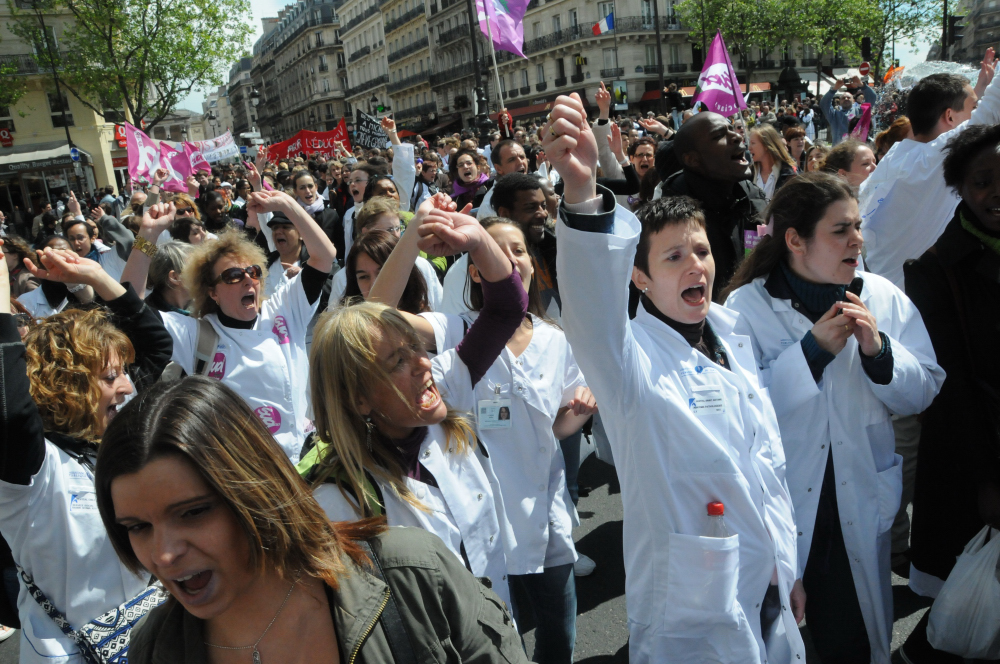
369, 133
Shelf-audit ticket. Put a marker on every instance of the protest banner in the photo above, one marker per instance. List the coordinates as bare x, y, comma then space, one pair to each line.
312, 142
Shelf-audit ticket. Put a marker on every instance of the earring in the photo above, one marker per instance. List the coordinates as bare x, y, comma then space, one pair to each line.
645, 290
369, 425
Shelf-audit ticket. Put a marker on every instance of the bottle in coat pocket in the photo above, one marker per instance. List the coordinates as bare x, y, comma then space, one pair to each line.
717, 521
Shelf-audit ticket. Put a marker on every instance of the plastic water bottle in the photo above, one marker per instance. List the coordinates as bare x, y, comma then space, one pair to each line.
717, 522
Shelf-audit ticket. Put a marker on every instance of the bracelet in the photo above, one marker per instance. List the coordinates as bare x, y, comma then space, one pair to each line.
145, 246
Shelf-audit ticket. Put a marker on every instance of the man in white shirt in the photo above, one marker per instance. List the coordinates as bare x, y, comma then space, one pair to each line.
507, 156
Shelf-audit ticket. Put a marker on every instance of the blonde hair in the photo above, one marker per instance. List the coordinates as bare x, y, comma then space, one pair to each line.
199, 273
66, 353
373, 207
345, 368
771, 140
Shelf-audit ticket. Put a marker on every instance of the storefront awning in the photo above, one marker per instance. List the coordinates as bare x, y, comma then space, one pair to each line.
24, 158
533, 109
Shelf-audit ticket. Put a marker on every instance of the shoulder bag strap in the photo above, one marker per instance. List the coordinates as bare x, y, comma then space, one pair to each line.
392, 620
207, 341
57, 617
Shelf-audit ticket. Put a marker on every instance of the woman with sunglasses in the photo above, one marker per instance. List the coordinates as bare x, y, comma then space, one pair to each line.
15, 250
61, 388
260, 349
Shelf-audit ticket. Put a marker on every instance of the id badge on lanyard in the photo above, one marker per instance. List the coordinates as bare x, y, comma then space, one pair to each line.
494, 413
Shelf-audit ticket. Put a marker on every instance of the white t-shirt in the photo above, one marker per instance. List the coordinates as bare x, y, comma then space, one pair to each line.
267, 365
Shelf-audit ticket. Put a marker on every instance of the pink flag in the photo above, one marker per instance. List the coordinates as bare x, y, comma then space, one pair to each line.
196, 159
864, 124
177, 165
505, 26
143, 155
718, 88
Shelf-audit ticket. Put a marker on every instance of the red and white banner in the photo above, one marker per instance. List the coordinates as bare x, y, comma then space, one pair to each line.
120, 136
311, 142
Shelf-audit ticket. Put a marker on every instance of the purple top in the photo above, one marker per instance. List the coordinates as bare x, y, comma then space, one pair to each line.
504, 305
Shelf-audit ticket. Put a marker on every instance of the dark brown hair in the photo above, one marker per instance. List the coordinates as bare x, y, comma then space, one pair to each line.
377, 245
656, 215
474, 290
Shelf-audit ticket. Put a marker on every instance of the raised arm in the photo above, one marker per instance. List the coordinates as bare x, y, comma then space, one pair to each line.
322, 253
155, 220
404, 170
604, 131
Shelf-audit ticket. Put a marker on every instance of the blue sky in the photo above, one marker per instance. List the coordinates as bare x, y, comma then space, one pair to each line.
261, 8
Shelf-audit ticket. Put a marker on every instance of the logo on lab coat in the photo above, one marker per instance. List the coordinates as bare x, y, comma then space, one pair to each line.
280, 330
270, 416
218, 366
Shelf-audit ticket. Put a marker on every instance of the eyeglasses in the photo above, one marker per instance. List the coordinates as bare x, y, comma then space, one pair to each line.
186, 210
234, 275
357, 181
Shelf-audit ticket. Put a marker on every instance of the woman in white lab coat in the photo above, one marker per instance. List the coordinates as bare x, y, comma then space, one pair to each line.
260, 348
61, 388
399, 444
688, 421
841, 351
532, 394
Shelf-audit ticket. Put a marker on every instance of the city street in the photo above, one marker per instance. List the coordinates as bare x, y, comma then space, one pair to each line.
602, 628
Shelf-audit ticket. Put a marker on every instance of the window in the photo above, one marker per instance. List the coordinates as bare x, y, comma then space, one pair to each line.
536, 29
319, 38
675, 54
647, 13
503, 84
605, 8
6, 119
41, 47
540, 73
556, 23
560, 68
609, 58
323, 65
650, 54
573, 22
58, 104
524, 78
329, 111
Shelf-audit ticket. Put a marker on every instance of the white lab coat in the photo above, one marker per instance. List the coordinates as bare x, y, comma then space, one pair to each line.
905, 204
453, 297
404, 173
853, 415
466, 508
485, 208
268, 365
435, 292
57, 536
690, 598
526, 457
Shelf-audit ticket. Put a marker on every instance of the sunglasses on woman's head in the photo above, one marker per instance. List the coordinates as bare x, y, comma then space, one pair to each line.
234, 275
184, 211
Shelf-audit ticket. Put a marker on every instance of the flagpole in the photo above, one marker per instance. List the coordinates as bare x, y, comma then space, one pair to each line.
614, 13
493, 53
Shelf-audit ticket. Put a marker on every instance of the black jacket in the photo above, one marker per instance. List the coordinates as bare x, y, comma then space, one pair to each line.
784, 175
729, 211
960, 441
333, 225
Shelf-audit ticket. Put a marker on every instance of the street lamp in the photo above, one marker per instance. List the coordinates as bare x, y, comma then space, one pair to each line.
254, 97
374, 104
312, 117
211, 121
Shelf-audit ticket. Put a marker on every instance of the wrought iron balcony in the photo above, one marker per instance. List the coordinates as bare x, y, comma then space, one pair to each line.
400, 21
453, 34
576, 78
677, 68
559, 82
652, 69
367, 85
360, 53
358, 20
810, 62
408, 82
407, 50
417, 111
541, 87
616, 72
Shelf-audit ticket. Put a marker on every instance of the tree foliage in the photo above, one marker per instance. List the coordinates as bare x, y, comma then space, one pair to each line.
12, 87
143, 56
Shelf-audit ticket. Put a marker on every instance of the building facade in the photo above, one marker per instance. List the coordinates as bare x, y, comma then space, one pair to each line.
239, 89
217, 113
366, 67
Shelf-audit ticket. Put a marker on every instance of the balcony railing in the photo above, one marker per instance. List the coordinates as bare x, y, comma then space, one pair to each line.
368, 85
786, 62
416, 111
20, 64
810, 62
455, 33
360, 53
324, 68
512, 93
644, 24
358, 20
559, 82
765, 63
400, 21
407, 50
652, 69
576, 78
677, 68
616, 72
525, 89
541, 87
408, 82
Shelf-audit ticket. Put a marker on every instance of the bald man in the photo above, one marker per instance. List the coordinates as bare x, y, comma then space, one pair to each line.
717, 174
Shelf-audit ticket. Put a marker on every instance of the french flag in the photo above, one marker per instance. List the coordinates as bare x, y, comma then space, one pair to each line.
604, 25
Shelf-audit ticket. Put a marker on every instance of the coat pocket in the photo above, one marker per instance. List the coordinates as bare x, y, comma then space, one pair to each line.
889, 483
702, 574
498, 626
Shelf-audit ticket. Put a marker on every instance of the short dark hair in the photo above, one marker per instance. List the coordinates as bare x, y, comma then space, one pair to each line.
70, 223
366, 168
962, 149
453, 162
645, 140
657, 215
506, 187
495, 154
380, 164
298, 175
932, 96
841, 157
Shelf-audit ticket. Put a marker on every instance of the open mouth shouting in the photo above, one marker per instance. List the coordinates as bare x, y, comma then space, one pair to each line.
429, 398
113, 409
852, 261
694, 296
740, 156
191, 587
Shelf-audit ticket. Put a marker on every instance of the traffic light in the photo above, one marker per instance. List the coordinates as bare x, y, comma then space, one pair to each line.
866, 48
955, 29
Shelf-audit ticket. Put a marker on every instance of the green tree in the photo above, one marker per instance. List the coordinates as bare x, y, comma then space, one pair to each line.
906, 21
142, 56
12, 87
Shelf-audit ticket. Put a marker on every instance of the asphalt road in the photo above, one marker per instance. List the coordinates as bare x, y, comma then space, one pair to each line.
602, 628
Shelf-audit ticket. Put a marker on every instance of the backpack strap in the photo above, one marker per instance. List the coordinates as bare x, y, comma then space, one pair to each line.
392, 620
204, 352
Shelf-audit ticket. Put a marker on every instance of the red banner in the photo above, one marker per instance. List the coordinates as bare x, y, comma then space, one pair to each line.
120, 136
6, 138
311, 142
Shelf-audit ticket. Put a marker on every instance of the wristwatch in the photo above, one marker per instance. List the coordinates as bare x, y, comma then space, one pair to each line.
145, 246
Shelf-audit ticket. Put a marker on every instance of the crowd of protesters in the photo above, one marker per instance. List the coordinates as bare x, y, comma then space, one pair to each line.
215, 401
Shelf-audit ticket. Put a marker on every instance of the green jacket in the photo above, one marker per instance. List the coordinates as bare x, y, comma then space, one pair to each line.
450, 616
